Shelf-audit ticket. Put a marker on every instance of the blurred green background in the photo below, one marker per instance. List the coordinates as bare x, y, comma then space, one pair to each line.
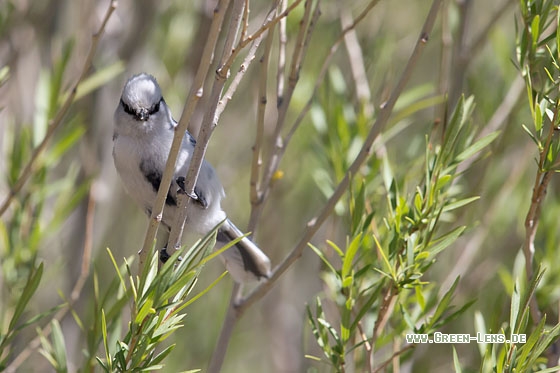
165, 38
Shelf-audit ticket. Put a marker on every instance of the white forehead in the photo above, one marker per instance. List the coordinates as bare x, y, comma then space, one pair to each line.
141, 90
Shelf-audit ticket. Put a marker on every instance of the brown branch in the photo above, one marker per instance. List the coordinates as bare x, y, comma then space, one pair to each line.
57, 120
282, 41
542, 179
385, 311
242, 69
209, 123
367, 347
267, 25
196, 92
256, 164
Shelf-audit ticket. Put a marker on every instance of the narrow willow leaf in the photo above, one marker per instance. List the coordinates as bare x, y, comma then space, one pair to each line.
531, 135
385, 259
445, 241
535, 29
514, 307
538, 119
322, 257
477, 146
59, 347
456, 363
455, 205
33, 281
336, 248
444, 302
200, 294
349, 256
480, 327
105, 339
529, 345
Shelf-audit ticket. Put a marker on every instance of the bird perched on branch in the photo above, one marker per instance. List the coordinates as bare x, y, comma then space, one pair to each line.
144, 129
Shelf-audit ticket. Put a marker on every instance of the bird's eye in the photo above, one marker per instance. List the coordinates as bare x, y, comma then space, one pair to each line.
155, 108
127, 109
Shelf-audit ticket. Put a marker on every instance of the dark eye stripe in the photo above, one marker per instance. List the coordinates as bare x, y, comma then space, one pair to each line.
127, 109
155, 108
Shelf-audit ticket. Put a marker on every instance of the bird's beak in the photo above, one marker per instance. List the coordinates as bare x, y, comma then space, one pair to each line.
142, 114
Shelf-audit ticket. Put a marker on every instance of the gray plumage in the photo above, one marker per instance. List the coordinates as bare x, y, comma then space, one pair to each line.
144, 130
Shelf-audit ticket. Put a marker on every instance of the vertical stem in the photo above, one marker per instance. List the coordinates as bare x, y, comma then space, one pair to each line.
542, 178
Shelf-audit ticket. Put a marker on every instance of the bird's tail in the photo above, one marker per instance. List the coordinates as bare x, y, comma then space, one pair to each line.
244, 261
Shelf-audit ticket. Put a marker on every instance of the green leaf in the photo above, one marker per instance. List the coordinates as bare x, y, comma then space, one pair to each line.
444, 241
420, 297
59, 347
200, 294
442, 181
444, 302
105, 344
477, 146
390, 268
455, 205
514, 307
456, 362
480, 327
350, 255
336, 248
529, 345
322, 257
99, 78
535, 29
531, 135
145, 310
33, 281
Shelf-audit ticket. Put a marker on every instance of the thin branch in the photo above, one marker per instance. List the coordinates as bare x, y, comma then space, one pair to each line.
267, 25
282, 41
367, 347
542, 179
218, 355
445, 63
196, 92
209, 122
356, 61
256, 163
245, 21
282, 144
243, 68
382, 119
460, 54
385, 311
300, 49
57, 120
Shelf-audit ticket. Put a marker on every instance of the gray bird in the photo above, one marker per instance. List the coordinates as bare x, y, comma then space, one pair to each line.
143, 135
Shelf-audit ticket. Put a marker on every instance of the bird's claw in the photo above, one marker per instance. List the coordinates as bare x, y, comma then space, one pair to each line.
164, 256
182, 189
